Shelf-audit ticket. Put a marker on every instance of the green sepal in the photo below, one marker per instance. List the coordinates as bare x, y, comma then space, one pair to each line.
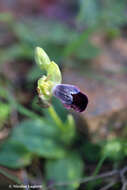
46, 83
42, 58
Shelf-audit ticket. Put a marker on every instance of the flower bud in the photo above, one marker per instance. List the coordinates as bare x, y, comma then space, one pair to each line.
42, 58
46, 83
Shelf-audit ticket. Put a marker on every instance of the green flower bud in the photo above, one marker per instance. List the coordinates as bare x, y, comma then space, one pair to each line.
42, 58
54, 73
46, 83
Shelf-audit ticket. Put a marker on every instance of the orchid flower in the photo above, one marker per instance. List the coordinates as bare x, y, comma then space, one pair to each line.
50, 85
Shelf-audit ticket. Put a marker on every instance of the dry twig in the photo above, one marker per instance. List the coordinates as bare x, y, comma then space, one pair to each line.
115, 173
87, 179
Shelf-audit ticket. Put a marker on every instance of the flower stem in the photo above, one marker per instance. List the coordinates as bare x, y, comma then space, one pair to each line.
55, 117
99, 165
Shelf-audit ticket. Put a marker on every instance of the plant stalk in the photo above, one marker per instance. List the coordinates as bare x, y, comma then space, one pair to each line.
56, 118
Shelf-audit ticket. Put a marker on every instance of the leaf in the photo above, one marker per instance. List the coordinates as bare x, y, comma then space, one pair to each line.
114, 149
42, 31
88, 12
110, 13
91, 151
14, 155
69, 134
41, 138
72, 47
87, 51
14, 52
60, 109
4, 113
114, 13
68, 169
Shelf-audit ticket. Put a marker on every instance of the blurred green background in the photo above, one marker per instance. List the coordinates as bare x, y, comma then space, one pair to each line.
57, 148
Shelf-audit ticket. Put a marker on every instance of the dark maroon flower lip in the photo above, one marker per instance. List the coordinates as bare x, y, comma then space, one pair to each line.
71, 97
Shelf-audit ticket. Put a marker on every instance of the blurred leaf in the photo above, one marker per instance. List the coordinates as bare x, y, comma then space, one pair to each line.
113, 33
72, 47
113, 149
108, 13
95, 184
4, 113
125, 147
87, 51
14, 155
60, 109
113, 13
51, 35
70, 130
41, 138
3, 91
55, 51
31, 32
68, 169
14, 52
40, 30
89, 11
91, 151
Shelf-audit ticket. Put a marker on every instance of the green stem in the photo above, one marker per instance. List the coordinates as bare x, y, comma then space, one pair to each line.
14, 104
100, 163
55, 117
97, 169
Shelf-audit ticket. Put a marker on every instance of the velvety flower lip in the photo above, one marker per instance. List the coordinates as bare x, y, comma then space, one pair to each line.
71, 97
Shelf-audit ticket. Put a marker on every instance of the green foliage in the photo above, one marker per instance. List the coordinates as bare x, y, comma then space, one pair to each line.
77, 43
52, 136
103, 14
4, 113
15, 52
68, 169
90, 52
53, 36
59, 40
14, 155
41, 31
91, 151
89, 12
60, 109
114, 149
40, 138
45, 138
